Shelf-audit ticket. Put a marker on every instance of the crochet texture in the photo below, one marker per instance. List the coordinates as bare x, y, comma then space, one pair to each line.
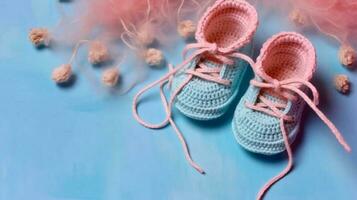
267, 118
231, 25
284, 56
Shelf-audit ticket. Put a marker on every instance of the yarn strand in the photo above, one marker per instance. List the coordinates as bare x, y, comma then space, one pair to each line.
287, 169
76, 48
200, 49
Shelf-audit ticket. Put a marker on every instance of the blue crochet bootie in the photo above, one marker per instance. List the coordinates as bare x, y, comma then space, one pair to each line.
229, 26
257, 119
267, 119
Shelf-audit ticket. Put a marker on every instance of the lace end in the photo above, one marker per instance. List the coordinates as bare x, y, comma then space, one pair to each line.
347, 148
196, 167
201, 171
342, 141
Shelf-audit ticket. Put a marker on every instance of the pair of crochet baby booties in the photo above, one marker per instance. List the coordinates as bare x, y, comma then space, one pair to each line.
203, 87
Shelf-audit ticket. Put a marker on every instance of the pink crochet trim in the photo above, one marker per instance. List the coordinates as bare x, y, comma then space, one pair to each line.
230, 24
292, 51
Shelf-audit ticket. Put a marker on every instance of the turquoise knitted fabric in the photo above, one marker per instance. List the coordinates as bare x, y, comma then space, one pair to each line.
205, 100
259, 132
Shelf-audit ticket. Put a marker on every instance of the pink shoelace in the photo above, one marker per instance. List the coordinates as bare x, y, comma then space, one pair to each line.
207, 50
287, 89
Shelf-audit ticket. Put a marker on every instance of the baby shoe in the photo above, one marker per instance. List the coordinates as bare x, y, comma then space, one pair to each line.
207, 81
268, 116
211, 81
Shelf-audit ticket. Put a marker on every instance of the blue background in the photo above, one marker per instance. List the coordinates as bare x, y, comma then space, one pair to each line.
77, 143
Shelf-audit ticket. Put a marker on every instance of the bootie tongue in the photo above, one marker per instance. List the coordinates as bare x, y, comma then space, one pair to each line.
230, 24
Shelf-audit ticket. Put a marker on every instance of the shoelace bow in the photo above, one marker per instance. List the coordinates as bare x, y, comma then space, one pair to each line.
200, 50
287, 89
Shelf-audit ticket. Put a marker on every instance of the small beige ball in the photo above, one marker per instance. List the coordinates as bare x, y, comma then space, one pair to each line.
39, 37
342, 83
110, 77
145, 38
98, 53
186, 29
298, 17
347, 55
62, 73
154, 57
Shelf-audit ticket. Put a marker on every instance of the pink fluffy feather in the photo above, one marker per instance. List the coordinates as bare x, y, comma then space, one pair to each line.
139, 24
335, 18
115, 17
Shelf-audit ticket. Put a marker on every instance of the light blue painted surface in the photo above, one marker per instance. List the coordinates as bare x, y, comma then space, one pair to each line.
74, 143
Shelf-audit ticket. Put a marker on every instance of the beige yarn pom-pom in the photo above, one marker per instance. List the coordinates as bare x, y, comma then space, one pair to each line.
39, 37
98, 53
298, 17
145, 38
62, 73
186, 29
110, 77
347, 55
154, 57
342, 83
